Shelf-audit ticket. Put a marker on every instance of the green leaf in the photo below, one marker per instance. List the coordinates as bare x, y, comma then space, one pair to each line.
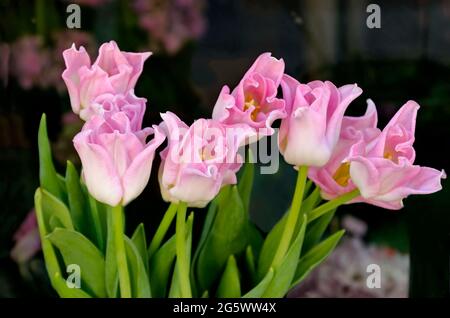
315, 256
284, 274
273, 238
47, 173
175, 291
269, 247
77, 200
161, 267
77, 249
99, 220
228, 236
315, 230
245, 184
50, 257
250, 261
52, 207
230, 286
111, 273
140, 242
259, 289
140, 284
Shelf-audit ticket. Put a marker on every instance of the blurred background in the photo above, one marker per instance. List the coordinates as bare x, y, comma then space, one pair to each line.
199, 46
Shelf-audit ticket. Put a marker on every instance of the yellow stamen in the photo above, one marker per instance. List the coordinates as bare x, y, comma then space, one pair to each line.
342, 174
250, 102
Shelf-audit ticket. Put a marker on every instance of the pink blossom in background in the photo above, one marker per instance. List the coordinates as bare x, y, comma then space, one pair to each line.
310, 132
253, 102
89, 3
116, 160
5, 52
170, 23
198, 160
114, 72
27, 239
28, 59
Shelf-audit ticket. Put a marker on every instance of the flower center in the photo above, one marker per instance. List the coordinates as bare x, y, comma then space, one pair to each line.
250, 102
342, 174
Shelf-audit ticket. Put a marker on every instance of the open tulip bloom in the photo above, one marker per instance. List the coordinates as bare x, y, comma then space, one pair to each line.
81, 215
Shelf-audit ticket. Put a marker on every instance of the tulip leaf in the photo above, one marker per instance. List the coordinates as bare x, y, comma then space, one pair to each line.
245, 184
77, 200
228, 236
47, 173
250, 261
230, 286
140, 284
99, 221
161, 267
51, 259
111, 274
175, 291
316, 229
315, 256
259, 289
140, 242
284, 274
77, 249
52, 209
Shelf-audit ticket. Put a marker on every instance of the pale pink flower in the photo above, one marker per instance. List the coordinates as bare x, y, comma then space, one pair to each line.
198, 160
114, 72
253, 102
27, 239
116, 160
310, 132
380, 164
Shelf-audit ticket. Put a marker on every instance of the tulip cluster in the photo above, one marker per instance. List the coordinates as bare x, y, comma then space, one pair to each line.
349, 160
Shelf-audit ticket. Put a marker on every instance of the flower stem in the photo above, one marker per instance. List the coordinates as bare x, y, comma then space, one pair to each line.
121, 258
162, 229
332, 204
182, 258
292, 217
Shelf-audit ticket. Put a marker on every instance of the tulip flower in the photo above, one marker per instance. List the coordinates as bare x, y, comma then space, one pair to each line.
27, 240
114, 72
109, 104
116, 160
379, 164
253, 101
384, 172
198, 160
310, 132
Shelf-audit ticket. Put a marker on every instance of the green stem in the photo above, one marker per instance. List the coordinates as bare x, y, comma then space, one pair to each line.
332, 204
40, 18
292, 218
182, 259
122, 266
162, 229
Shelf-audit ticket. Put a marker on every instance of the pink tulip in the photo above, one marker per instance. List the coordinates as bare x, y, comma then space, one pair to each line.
377, 163
114, 72
310, 132
253, 101
198, 160
108, 104
385, 173
116, 160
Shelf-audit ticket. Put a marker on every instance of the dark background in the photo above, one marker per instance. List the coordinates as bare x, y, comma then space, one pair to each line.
407, 58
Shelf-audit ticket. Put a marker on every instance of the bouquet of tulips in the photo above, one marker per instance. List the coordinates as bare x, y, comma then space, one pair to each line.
81, 218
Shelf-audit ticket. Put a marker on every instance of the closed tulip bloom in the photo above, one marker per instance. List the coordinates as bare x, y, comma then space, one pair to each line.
114, 72
198, 160
116, 160
253, 102
310, 132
